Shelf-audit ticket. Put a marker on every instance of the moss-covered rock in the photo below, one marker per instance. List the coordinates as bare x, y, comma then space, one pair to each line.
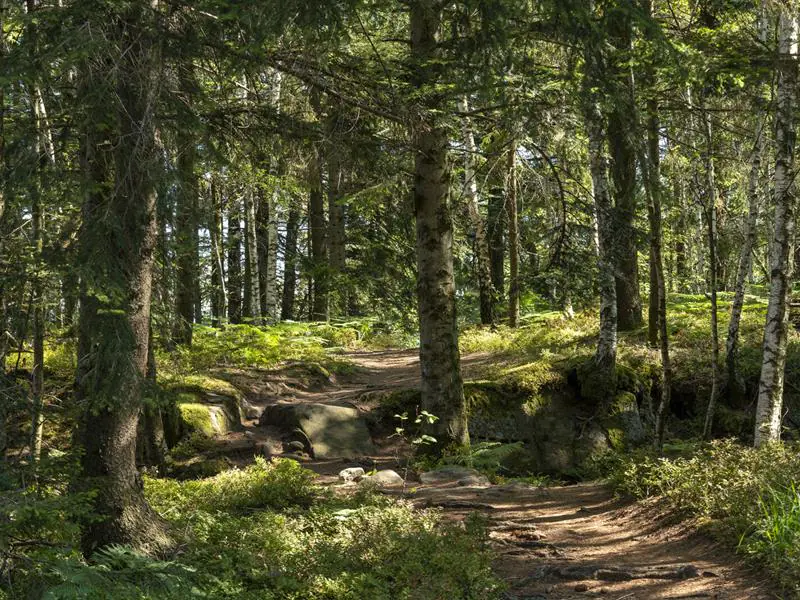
208, 419
623, 423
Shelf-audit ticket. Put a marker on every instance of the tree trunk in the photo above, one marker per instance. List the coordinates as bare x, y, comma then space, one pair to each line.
651, 169
711, 210
336, 235
483, 259
594, 120
234, 261
441, 386
290, 265
735, 384
770, 387
497, 243
652, 300
151, 445
217, 267
37, 368
268, 218
186, 251
513, 237
622, 146
252, 304
317, 233
117, 247
43, 154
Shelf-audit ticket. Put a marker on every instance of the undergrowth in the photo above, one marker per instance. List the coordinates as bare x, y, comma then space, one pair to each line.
266, 532
744, 496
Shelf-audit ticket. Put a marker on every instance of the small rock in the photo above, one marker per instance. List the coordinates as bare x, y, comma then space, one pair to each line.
687, 572
581, 587
351, 474
385, 478
603, 590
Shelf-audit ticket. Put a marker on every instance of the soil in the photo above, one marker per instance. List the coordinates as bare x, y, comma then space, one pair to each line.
552, 543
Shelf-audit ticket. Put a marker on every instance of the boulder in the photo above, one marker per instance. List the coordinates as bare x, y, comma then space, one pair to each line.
449, 474
624, 424
208, 419
351, 474
475, 481
333, 431
559, 429
384, 478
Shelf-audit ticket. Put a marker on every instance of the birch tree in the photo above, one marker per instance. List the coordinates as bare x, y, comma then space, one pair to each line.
770, 386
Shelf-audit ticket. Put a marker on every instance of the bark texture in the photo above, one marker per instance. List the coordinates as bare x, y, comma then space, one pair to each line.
711, 221
622, 146
252, 294
117, 240
595, 122
482, 258
290, 265
318, 234
186, 239
234, 261
770, 387
441, 387
513, 238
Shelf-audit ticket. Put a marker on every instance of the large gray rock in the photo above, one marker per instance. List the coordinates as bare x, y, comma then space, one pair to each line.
384, 478
448, 474
334, 431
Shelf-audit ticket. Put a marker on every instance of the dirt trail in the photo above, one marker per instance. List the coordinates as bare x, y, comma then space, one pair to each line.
557, 543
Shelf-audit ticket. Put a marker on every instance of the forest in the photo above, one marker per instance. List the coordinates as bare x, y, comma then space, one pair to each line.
399, 299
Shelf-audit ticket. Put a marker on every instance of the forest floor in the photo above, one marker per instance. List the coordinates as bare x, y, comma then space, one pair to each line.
558, 542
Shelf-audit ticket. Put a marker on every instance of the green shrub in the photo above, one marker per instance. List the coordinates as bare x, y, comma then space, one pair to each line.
268, 532
279, 484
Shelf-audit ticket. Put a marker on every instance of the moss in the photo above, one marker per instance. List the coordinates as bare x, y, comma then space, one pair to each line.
596, 385
616, 437
622, 403
196, 417
490, 397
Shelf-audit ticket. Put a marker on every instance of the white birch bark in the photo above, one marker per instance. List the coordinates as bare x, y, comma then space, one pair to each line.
484, 274
770, 387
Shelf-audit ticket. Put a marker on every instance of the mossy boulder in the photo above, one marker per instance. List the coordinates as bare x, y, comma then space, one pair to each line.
560, 431
203, 417
622, 423
332, 431
213, 390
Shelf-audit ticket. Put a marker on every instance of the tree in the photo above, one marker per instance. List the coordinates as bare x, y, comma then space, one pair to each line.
770, 386
442, 388
621, 125
595, 123
482, 258
118, 240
